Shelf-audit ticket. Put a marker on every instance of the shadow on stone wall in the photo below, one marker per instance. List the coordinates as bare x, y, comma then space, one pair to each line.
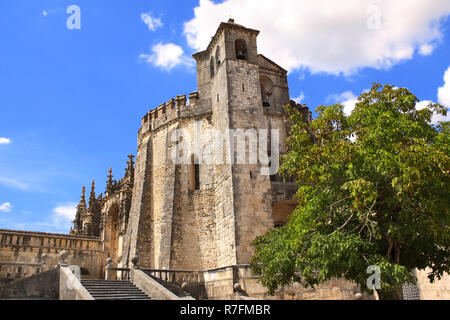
42, 286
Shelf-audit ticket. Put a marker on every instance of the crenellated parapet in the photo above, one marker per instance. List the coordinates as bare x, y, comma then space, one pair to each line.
181, 106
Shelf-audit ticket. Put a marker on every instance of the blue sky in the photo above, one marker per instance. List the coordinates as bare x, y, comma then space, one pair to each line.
71, 100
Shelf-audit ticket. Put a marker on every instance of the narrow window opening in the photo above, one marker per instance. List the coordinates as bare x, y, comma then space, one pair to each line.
211, 67
197, 176
217, 58
194, 174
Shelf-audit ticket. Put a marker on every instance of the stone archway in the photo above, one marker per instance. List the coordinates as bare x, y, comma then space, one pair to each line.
267, 87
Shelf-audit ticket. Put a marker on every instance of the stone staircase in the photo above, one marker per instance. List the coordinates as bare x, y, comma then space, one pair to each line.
113, 290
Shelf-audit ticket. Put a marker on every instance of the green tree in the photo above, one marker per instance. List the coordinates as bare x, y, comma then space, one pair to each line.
374, 189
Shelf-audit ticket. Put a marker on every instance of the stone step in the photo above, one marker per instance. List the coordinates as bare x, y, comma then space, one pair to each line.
136, 294
109, 285
110, 288
123, 298
113, 290
106, 282
106, 285
99, 296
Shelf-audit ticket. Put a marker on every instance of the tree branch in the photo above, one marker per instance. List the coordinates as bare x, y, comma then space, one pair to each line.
341, 227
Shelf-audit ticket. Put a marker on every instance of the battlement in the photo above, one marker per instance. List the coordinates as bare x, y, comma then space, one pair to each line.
175, 108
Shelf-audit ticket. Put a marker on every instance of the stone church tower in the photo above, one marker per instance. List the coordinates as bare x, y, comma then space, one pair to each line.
205, 182
203, 187
198, 215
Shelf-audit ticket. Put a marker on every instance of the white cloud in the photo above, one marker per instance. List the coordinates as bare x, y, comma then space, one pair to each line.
59, 220
341, 97
444, 91
5, 140
44, 13
347, 98
349, 105
14, 183
435, 118
67, 211
5, 207
62, 217
329, 36
423, 104
300, 98
167, 56
426, 49
152, 22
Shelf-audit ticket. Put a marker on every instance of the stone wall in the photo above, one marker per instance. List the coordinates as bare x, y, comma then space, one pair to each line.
193, 228
439, 290
251, 189
223, 181
138, 238
219, 284
42, 286
23, 253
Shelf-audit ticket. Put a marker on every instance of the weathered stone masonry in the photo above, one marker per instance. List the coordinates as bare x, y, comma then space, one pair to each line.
24, 253
191, 216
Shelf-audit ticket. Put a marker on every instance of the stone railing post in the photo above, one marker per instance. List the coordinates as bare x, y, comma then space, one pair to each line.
44, 261
134, 262
62, 258
133, 267
108, 273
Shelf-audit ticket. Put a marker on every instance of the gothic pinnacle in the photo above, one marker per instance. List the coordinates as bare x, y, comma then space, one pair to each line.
92, 196
83, 194
110, 176
130, 162
82, 203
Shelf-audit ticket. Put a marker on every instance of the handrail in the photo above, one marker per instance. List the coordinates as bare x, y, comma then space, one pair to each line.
124, 274
120, 269
176, 275
21, 264
207, 270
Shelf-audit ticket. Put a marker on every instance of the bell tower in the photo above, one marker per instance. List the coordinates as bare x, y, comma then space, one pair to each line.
228, 73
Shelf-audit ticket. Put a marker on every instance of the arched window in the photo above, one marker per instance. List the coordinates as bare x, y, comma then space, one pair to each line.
266, 91
211, 67
194, 174
241, 49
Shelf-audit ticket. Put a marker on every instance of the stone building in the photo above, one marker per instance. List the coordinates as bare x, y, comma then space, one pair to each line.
203, 215
196, 215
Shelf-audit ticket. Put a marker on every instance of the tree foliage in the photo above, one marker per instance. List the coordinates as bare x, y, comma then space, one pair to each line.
373, 190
